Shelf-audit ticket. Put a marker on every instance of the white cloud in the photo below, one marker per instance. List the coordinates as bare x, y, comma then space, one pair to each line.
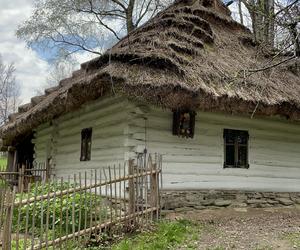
85, 56
31, 70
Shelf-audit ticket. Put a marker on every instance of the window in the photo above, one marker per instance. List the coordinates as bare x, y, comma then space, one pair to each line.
236, 148
184, 123
86, 144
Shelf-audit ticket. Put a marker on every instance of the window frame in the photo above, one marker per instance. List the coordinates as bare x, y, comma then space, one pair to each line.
177, 114
236, 145
86, 144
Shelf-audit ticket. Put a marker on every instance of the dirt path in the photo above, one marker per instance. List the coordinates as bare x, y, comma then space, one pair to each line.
258, 229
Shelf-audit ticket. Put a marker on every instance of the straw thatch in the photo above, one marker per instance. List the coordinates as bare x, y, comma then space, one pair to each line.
191, 55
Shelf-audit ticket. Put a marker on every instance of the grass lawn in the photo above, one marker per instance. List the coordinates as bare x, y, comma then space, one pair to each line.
166, 235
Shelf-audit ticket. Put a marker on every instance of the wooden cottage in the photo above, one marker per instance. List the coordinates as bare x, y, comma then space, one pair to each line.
190, 85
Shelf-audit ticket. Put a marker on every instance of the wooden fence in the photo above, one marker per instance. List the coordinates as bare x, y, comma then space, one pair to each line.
54, 213
24, 175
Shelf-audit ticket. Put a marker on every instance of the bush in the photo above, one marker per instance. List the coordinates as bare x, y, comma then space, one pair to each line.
60, 215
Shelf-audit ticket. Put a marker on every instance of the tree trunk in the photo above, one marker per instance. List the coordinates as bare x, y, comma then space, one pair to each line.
241, 12
129, 16
262, 16
296, 39
271, 24
268, 13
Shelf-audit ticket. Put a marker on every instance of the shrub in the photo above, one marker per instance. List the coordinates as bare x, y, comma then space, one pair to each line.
60, 215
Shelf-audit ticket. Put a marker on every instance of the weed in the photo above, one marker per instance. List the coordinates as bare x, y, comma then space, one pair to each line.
166, 235
294, 239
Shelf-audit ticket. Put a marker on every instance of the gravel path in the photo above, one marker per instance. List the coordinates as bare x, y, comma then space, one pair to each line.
258, 229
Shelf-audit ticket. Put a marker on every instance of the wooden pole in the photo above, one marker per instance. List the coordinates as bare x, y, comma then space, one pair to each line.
21, 179
85, 187
6, 237
154, 187
131, 188
82, 232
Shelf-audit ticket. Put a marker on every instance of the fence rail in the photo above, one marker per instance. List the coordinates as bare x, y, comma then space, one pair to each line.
24, 175
51, 212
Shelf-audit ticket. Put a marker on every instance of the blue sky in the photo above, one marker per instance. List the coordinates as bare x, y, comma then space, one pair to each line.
32, 66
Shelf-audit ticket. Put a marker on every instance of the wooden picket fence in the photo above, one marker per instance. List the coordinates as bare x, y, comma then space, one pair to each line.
24, 175
53, 213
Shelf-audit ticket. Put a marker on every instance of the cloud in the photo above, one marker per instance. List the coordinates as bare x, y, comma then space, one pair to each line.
31, 70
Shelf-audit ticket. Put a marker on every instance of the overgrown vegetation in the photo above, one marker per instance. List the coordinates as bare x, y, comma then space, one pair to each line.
61, 216
3, 162
294, 239
166, 235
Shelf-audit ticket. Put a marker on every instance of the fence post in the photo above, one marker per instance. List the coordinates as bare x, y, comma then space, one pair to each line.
154, 189
48, 165
21, 179
6, 236
131, 188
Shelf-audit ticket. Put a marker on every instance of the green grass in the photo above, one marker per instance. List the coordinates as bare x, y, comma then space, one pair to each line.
3, 162
294, 239
167, 235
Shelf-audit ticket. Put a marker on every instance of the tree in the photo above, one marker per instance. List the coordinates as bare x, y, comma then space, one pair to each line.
262, 18
288, 24
69, 26
275, 23
60, 70
9, 91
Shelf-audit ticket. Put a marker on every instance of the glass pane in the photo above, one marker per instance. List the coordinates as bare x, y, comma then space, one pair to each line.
229, 155
242, 156
241, 139
185, 124
83, 150
88, 150
229, 138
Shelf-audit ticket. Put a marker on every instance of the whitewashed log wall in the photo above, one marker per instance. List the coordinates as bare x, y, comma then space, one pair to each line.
121, 129
62, 139
274, 152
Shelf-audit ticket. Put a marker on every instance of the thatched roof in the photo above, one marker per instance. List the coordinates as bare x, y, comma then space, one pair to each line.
191, 55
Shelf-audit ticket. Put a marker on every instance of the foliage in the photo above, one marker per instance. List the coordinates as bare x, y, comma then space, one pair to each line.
3, 162
167, 235
60, 215
69, 26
